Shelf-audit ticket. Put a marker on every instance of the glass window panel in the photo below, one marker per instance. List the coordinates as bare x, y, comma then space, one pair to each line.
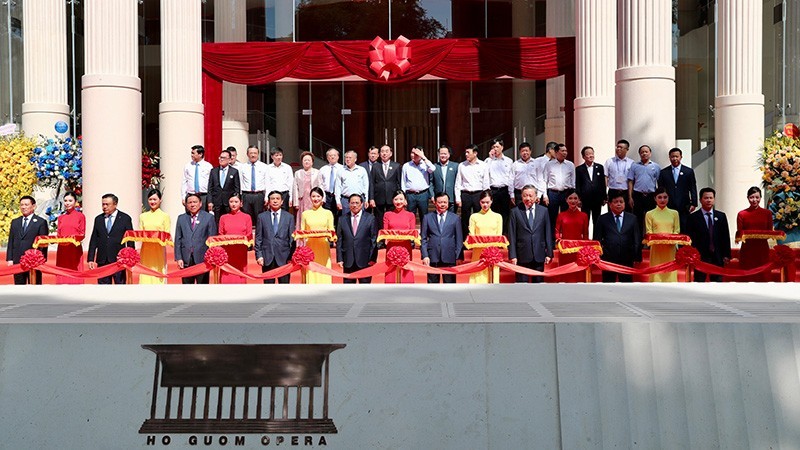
420, 19
326, 20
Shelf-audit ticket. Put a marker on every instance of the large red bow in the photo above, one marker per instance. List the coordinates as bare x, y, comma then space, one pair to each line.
387, 59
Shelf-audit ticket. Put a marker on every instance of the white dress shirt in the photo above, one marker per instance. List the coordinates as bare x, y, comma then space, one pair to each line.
540, 182
471, 177
245, 175
617, 172
501, 173
328, 172
524, 173
204, 170
559, 175
351, 181
416, 177
280, 178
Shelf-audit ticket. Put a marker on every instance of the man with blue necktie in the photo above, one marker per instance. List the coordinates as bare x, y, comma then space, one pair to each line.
106, 240
618, 233
442, 240
21, 236
681, 186
530, 235
196, 174
274, 241
223, 182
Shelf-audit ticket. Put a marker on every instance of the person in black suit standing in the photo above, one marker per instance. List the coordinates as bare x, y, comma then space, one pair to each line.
274, 241
681, 186
372, 159
443, 178
442, 240
21, 236
384, 181
106, 240
530, 235
590, 184
619, 236
357, 247
710, 234
192, 230
223, 182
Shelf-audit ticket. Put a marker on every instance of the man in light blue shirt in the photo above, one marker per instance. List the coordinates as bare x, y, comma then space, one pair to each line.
351, 179
415, 181
642, 182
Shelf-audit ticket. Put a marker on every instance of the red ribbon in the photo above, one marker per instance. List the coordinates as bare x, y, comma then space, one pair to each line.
387, 59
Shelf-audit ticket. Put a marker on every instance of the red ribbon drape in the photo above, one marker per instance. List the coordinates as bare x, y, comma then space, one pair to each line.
258, 63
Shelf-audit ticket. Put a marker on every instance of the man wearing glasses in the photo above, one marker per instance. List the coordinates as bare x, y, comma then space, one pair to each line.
223, 182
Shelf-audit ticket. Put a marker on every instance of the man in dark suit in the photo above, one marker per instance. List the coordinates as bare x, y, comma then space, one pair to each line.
384, 181
442, 240
530, 235
590, 184
23, 232
372, 159
191, 232
681, 186
710, 235
106, 240
443, 178
620, 237
222, 184
274, 241
358, 234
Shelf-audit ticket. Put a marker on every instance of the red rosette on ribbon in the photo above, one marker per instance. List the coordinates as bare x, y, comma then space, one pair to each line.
588, 256
492, 256
216, 256
387, 59
31, 259
791, 130
782, 255
398, 256
128, 257
687, 256
303, 256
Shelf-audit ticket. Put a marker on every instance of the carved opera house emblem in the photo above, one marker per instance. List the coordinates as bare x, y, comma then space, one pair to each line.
241, 389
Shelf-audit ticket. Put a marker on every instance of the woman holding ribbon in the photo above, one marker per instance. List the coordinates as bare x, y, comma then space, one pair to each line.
318, 219
72, 223
399, 219
662, 220
754, 252
154, 255
485, 223
238, 223
571, 224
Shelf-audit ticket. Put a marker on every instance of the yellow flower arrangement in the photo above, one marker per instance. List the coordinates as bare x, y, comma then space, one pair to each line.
780, 169
17, 178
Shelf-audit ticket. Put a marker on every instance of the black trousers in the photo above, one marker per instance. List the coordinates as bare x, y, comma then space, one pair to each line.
501, 204
434, 278
286, 205
24, 277
613, 277
642, 202
330, 205
354, 268
274, 265
592, 209
470, 204
199, 279
557, 202
253, 204
533, 265
116, 278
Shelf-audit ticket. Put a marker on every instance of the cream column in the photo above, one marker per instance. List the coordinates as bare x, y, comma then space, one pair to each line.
180, 119
560, 23
112, 107
287, 111
688, 113
523, 21
230, 26
596, 53
45, 67
645, 92
739, 105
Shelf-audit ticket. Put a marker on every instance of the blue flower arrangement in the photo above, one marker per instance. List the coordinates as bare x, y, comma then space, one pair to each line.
59, 163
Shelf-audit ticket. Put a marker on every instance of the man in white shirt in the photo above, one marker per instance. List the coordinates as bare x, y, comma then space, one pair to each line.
234, 162
501, 181
617, 168
280, 178
253, 184
471, 180
539, 181
195, 176
350, 179
415, 181
524, 171
327, 175
559, 175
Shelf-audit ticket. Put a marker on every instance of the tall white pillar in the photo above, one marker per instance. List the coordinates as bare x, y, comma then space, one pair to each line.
596, 53
180, 120
739, 103
688, 113
523, 23
645, 92
45, 67
287, 112
112, 107
560, 23
230, 25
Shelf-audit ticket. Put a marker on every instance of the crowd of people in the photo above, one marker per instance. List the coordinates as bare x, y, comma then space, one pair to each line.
535, 202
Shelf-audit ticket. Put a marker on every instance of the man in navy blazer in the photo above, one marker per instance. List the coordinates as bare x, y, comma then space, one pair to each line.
442, 240
590, 184
619, 235
372, 159
21, 236
356, 250
714, 242
274, 241
384, 181
191, 232
681, 186
443, 178
530, 235
223, 182
106, 240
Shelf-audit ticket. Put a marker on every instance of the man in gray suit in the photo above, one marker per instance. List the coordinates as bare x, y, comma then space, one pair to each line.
191, 232
274, 241
443, 178
530, 235
441, 239
357, 247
